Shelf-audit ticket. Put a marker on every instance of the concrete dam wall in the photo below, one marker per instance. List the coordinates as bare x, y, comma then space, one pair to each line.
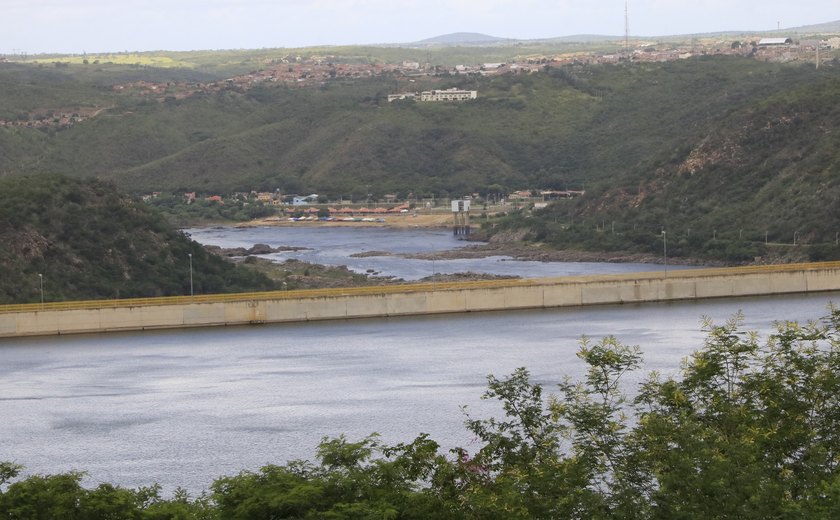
412, 299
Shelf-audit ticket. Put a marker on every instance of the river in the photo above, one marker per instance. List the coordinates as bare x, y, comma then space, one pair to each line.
183, 407
336, 245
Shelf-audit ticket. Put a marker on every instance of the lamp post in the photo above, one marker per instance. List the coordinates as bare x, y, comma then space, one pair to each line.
41, 280
191, 274
665, 251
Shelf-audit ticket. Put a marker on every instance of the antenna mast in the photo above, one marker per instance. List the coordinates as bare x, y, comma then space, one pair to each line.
626, 28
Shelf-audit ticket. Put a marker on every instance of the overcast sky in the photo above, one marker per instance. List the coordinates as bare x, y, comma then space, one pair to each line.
76, 26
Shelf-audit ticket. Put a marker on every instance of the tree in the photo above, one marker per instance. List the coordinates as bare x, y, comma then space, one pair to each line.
748, 431
564, 457
348, 482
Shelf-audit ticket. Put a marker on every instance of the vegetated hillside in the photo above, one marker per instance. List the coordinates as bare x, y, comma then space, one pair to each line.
819, 28
723, 144
758, 176
88, 241
27, 88
462, 38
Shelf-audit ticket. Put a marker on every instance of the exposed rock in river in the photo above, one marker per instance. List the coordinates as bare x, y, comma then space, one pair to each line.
256, 249
365, 254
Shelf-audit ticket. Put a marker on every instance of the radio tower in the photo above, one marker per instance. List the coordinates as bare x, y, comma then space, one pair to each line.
626, 29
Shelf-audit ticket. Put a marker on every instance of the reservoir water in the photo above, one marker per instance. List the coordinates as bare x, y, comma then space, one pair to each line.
183, 407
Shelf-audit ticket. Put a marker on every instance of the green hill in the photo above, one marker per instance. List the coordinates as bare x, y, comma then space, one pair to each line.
718, 144
88, 241
732, 168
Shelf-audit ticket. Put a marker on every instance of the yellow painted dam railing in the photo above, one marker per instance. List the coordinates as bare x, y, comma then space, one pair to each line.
407, 288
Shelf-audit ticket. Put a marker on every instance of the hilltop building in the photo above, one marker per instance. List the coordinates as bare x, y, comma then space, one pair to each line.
452, 94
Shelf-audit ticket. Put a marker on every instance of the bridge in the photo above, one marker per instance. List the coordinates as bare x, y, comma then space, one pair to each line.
135, 314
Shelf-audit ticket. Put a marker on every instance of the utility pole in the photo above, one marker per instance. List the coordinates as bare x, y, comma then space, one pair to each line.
626, 29
191, 274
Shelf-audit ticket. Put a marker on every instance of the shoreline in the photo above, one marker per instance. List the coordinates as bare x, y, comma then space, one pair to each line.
516, 250
537, 253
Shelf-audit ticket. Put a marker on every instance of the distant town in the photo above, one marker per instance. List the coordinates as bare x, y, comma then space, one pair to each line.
301, 72
314, 71
318, 206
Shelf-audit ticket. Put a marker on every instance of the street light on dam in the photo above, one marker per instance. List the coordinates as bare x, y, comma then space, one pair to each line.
191, 274
665, 250
41, 281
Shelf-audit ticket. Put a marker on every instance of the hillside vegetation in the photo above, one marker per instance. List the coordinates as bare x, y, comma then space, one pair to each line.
710, 146
746, 173
88, 241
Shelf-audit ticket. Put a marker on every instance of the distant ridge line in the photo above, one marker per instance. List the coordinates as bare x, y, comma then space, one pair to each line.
473, 38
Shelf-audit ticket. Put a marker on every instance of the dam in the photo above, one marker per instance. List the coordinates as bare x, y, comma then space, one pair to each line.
136, 314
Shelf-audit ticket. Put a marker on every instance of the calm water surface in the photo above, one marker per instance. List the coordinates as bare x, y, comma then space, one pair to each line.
184, 407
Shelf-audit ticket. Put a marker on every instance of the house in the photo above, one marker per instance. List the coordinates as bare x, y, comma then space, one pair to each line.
406, 95
554, 194
560, 194
215, 198
810, 44
519, 195
774, 42
189, 196
298, 200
